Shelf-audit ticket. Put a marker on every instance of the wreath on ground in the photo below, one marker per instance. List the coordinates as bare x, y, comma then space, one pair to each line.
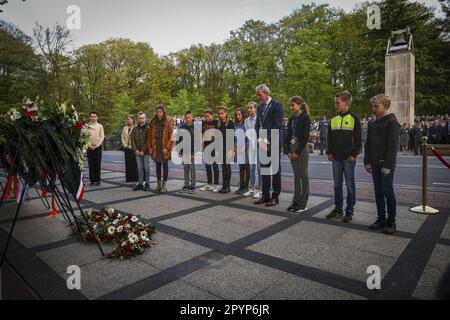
130, 232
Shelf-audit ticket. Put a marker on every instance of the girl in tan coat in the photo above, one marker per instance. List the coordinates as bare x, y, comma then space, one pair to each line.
160, 145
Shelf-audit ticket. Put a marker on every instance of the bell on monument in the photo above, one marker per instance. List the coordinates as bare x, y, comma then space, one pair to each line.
400, 40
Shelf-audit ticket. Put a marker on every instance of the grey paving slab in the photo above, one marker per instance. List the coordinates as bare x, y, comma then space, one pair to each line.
179, 290
28, 208
110, 175
104, 276
440, 258
428, 283
39, 231
104, 185
366, 213
121, 193
374, 242
285, 201
223, 224
446, 232
287, 247
156, 205
170, 251
234, 278
292, 287
349, 262
78, 254
299, 243
329, 248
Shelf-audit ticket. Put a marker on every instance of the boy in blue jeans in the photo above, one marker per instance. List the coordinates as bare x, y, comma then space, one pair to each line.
344, 145
380, 157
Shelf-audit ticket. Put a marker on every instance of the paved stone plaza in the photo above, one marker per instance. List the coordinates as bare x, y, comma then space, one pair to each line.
214, 246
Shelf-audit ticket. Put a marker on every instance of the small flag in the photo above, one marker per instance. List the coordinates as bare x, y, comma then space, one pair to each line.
80, 191
19, 187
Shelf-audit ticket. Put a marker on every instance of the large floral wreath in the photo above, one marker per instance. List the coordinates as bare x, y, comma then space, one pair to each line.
38, 141
131, 234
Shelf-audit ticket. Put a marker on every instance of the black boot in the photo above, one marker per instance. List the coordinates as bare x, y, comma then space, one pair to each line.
380, 223
390, 228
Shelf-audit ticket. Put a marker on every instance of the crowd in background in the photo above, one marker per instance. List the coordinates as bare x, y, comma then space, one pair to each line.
434, 127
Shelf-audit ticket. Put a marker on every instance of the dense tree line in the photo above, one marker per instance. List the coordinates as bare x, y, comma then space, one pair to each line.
313, 52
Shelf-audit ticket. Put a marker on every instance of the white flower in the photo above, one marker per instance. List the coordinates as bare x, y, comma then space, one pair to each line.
115, 221
111, 230
124, 244
13, 114
143, 234
94, 226
134, 219
119, 228
110, 210
127, 226
132, 238
105, 218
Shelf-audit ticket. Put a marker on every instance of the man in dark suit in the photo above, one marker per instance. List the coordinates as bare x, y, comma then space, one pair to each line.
270, 117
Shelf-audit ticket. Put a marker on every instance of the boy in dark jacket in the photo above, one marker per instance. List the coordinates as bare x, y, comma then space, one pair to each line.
344, 145
187, 157
380, 159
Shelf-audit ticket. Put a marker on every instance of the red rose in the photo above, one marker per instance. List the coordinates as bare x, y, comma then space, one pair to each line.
29, 114
79, 125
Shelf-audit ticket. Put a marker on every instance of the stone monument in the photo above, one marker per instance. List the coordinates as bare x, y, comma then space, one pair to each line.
400, 75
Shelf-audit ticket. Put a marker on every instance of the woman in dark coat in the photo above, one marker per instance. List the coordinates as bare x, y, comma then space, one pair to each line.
224, 124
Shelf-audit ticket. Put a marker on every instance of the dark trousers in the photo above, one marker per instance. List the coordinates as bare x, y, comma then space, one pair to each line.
269, 180
162, 166
384, 193
226, 175
95, 164
323, 144
131, 174
244, 175
416, 145
210, 168
301, 179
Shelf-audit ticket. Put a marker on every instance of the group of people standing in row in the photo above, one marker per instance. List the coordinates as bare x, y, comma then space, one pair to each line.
153, 139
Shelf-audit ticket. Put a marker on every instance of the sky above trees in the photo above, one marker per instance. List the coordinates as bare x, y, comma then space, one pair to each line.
168, 26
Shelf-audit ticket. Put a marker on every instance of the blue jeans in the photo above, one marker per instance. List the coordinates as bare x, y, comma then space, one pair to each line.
143, 166
384, 193
344, 168
255, 177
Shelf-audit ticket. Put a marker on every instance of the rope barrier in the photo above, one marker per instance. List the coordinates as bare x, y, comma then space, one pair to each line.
439, 156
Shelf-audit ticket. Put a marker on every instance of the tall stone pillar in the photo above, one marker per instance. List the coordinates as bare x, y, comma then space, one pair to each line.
399, 83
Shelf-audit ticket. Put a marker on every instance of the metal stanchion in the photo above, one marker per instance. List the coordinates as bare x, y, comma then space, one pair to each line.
424, 208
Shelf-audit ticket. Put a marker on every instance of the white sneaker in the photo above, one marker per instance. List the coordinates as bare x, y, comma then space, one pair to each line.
301, 210
249, 193
216, 188
257, 195
207, 187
